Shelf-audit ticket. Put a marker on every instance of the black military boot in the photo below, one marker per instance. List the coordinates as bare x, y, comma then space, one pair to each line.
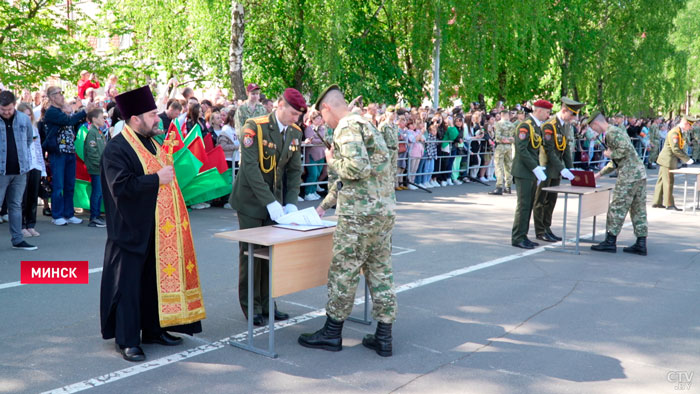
609, 245
640, 247
497, 192
507, 190
380, 342
327, 338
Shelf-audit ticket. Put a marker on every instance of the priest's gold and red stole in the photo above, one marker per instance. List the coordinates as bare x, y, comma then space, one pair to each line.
179, 292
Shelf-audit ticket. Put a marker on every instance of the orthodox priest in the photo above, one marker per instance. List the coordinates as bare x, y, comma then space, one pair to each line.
150, 281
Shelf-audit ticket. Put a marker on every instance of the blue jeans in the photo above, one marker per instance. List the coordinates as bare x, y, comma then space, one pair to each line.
12, 190
95, 196
313, 172
63, 184
426, 165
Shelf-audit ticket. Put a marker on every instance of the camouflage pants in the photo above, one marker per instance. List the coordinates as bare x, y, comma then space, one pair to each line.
362, 243
628, 197
653, 154
503, 161
696, 150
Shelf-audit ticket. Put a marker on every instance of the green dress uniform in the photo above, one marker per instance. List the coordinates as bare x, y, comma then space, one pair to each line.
555, 157
668, 160
629, 194
267, 157
654, 139
245, 112
503, 155
528, 141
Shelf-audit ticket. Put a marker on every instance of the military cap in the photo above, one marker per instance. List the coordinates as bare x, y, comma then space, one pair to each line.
295, 99
135, 102
251, 87
592, 117
571, 105
619, 115
323, 94
690, 119
543, 104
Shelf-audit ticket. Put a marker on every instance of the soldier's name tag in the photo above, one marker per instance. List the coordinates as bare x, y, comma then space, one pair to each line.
247, 141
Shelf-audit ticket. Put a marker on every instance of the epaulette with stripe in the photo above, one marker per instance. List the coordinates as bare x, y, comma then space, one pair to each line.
262, 119
296, 127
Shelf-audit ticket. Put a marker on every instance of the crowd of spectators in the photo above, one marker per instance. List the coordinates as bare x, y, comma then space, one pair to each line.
436, 147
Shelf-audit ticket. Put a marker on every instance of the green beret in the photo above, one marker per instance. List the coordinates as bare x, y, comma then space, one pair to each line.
317, 104
591, 118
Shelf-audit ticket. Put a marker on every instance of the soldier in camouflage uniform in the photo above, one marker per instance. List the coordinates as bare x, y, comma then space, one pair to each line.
250, 109
362, 239
668, 160
630, 188
557, 158
503, 156
654, 138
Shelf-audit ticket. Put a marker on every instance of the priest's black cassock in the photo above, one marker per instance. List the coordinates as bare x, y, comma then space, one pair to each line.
129, 297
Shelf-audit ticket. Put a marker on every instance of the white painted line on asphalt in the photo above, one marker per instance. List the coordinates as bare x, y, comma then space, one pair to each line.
404, 250
163, 361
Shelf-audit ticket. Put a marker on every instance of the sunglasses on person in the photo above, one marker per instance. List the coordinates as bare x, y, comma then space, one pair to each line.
57, 92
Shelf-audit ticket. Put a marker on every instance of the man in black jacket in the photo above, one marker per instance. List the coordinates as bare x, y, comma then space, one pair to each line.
59, 143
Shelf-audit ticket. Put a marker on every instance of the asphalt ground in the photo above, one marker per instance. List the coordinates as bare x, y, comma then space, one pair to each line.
475, 314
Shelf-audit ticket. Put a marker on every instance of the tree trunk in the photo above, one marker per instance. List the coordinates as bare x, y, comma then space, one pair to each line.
235, 51
599, 100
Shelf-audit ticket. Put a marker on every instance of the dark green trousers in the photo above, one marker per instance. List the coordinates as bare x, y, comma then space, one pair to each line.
261, 270
663, 192
526, 189
544, 206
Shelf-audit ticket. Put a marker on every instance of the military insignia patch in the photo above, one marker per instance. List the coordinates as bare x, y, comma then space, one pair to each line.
548, 136
247, 141
93, 143
675, 140
249, 132
522, 135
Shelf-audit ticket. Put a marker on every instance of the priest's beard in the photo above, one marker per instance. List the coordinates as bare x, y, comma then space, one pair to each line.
145, 131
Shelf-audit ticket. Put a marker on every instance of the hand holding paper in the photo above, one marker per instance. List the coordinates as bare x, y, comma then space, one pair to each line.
275, 210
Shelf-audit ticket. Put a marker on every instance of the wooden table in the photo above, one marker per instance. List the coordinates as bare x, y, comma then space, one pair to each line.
688, 172
298, 260
592, 201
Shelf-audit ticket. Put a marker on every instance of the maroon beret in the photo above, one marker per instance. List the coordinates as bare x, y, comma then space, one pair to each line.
135, 102
295, 99
543, 104
252, 86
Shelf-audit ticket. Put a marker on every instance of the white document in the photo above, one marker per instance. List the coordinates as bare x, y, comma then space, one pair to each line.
304, 217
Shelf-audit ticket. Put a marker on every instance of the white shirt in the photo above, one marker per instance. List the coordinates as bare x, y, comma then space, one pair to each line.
282, 127
537, 122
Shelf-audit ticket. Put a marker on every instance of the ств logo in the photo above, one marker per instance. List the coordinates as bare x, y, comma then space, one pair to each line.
54, 272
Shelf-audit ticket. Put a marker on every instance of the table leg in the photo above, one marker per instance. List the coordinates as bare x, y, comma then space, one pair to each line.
593, 237
271, 312
365, 320
685, 191
248, 345
563, 235
578, 223
251, 299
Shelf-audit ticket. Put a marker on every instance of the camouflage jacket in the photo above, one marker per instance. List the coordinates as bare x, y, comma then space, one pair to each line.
243, 113
624, 157
362, 162
504, 129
